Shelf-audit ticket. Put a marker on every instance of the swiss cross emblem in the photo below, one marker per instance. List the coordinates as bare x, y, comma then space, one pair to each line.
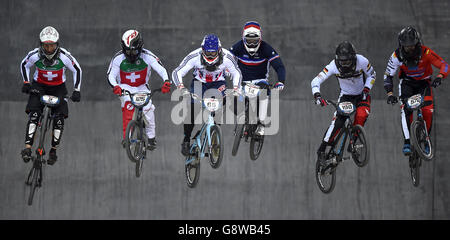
132, 77
50, 76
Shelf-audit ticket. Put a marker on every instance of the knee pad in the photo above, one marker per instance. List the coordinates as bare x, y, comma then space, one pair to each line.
58, 127
31, 126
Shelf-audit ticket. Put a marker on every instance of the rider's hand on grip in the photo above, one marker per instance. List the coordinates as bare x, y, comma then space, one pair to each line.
436, 82
117, 90
392, 99
319, 100
26, 88
166, 87
279, 86
76, 96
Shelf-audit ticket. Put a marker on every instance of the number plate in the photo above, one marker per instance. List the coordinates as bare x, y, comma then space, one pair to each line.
139, 99
251, 90
212, 104
50, 99
414, 101
346, 107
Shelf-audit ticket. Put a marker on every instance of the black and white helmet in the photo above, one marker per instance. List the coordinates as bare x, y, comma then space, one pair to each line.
132, 44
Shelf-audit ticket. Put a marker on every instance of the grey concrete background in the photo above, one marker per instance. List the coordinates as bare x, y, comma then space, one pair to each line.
93, 178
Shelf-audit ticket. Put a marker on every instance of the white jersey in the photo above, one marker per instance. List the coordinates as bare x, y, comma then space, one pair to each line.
193, 61
53, 75
364, 77
134, 77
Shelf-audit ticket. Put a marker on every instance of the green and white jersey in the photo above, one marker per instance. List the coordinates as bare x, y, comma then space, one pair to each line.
51, 75
134, 76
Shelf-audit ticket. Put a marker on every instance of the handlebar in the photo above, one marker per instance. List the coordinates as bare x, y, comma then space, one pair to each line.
37, 92
150, 95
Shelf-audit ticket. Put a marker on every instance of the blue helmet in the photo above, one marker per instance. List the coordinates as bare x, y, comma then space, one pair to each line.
211, 52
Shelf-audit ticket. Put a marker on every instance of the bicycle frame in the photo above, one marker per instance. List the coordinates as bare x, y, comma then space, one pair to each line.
341, 138
205, 129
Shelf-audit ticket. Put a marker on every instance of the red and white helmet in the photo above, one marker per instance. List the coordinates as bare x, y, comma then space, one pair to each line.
49, 35
251, 35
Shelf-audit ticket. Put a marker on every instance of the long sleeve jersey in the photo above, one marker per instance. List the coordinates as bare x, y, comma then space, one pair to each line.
423, 70
257, 66
51, 75
134, 76
364, 76
193, 61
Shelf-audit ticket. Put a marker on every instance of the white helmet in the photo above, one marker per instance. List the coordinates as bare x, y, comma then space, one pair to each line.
251, 35
49, 35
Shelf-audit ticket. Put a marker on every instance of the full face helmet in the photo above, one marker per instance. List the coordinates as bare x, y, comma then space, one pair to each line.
211, 52
251, 35
345, 59
49, 45
410, 46
132, 44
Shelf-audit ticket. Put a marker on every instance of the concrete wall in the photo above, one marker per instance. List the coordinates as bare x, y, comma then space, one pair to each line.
94, 179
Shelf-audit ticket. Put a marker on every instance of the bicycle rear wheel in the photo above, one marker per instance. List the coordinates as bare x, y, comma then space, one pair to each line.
420, 140
360, 149
216, 154
192, 168
134, 141
237, 138
414, 167
325, 177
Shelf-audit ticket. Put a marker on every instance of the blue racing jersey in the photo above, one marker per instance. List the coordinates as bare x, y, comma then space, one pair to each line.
257, 66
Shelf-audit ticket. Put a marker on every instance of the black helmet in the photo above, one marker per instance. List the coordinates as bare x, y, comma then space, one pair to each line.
132, 44
410, 46
346, 59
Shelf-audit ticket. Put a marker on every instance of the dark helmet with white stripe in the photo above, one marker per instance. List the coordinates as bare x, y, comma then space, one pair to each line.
410, 46
132, 44
345, 59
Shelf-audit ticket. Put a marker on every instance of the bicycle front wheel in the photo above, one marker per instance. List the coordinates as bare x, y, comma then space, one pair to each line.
325, 177
256, 144
216, 153
360, 148
237, 138
134, 141
421, 141
414, 167
192, 168
34, 184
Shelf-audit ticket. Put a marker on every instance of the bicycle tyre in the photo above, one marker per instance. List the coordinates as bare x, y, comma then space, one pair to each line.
419, 138
33, 185
237, 138
193, 180
216, 154
133, 144
320, 176
256, 144
360, 160
415, 170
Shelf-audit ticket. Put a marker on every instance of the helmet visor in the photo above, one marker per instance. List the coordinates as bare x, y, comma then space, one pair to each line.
251, 41
49, 48
131, 52
210, 54
409, 49
345, 62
